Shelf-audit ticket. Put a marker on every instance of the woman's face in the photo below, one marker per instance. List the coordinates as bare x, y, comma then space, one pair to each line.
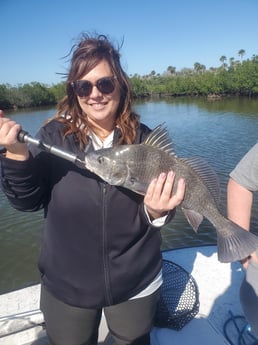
99, 107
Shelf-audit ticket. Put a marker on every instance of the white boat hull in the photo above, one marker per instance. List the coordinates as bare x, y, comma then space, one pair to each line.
218, 283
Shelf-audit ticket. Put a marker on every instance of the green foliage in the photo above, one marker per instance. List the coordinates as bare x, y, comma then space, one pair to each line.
139, 87
240, 78
58, 91
30, 95
4, 101
237, 78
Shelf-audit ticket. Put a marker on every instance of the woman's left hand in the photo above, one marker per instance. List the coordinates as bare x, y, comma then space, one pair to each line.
159, 199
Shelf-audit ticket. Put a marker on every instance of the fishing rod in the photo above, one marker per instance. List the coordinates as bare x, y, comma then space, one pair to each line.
24, 137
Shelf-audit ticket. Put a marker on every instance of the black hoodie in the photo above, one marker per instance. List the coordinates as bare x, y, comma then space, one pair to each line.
98, 248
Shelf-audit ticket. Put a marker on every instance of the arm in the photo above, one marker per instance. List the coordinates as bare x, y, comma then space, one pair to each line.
242, 184
239, 204
239, 207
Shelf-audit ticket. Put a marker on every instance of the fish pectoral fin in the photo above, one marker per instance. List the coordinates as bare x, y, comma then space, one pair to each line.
194, 218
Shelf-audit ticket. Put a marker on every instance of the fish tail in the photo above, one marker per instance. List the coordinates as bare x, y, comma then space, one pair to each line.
235, 243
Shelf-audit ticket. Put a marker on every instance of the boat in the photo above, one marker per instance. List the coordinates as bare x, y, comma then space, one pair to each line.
217, 317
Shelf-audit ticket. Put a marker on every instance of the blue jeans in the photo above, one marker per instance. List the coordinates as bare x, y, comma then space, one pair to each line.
129, 322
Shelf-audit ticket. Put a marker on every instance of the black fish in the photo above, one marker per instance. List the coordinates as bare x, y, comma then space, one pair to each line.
135, 166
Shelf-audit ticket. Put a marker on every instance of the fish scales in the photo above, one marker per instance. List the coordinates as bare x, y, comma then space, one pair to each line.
135, 166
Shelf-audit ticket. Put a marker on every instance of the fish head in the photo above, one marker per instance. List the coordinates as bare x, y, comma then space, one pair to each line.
117, 166
106, 163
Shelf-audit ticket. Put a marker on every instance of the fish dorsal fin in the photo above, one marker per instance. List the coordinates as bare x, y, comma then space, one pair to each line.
160, 139
207, 173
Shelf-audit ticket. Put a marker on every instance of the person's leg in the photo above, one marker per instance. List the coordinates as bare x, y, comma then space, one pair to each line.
131, 322
68, 325
249, 296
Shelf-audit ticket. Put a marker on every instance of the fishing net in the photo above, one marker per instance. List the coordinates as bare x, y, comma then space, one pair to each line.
179, 302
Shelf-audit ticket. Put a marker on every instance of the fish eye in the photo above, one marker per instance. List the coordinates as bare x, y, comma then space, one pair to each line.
100, 159
132, 180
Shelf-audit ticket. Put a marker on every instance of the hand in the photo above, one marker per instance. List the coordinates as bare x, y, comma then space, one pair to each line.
9, 130
159, 199
254, 257
245, 262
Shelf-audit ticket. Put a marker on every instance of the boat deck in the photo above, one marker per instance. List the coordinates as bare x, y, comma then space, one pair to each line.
44, 341
218, 285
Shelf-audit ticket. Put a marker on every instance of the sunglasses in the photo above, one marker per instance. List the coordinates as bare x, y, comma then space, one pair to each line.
83, 88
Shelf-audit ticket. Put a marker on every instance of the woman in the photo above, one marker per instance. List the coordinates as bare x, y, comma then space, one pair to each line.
101, 244
242, 184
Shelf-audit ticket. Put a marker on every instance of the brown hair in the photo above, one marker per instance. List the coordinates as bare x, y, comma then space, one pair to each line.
85, 56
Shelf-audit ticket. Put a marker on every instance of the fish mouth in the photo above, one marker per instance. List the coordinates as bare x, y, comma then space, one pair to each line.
87, 165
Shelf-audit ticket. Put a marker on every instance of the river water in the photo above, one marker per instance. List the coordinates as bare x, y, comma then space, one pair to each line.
220, 131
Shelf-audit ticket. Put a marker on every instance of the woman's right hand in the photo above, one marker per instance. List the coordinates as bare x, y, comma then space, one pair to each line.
9, 130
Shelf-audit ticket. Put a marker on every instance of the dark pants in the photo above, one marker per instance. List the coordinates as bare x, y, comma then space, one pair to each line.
129, 322
249, 296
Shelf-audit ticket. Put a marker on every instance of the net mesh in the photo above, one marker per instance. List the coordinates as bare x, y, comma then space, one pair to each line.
179, 302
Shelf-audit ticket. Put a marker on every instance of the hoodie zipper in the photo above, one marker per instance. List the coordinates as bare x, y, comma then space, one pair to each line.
105, 258
105, 246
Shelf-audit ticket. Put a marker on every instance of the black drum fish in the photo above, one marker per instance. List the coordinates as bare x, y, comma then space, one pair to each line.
135, 166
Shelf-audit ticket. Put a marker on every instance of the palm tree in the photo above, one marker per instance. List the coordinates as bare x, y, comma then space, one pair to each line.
171, 69
232, 62
222, 59
197, 66
202, 68
241, 53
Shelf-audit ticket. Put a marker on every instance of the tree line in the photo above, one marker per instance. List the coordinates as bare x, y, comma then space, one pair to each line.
235, 77
30, 95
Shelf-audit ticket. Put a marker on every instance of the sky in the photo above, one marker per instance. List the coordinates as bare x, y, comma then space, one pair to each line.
36, 35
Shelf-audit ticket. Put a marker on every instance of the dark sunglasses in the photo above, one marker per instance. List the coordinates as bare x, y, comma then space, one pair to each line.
83, 88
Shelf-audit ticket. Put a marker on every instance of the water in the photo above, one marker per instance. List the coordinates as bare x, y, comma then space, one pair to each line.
219, 131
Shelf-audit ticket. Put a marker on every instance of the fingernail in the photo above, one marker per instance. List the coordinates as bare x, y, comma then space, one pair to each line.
162, 175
